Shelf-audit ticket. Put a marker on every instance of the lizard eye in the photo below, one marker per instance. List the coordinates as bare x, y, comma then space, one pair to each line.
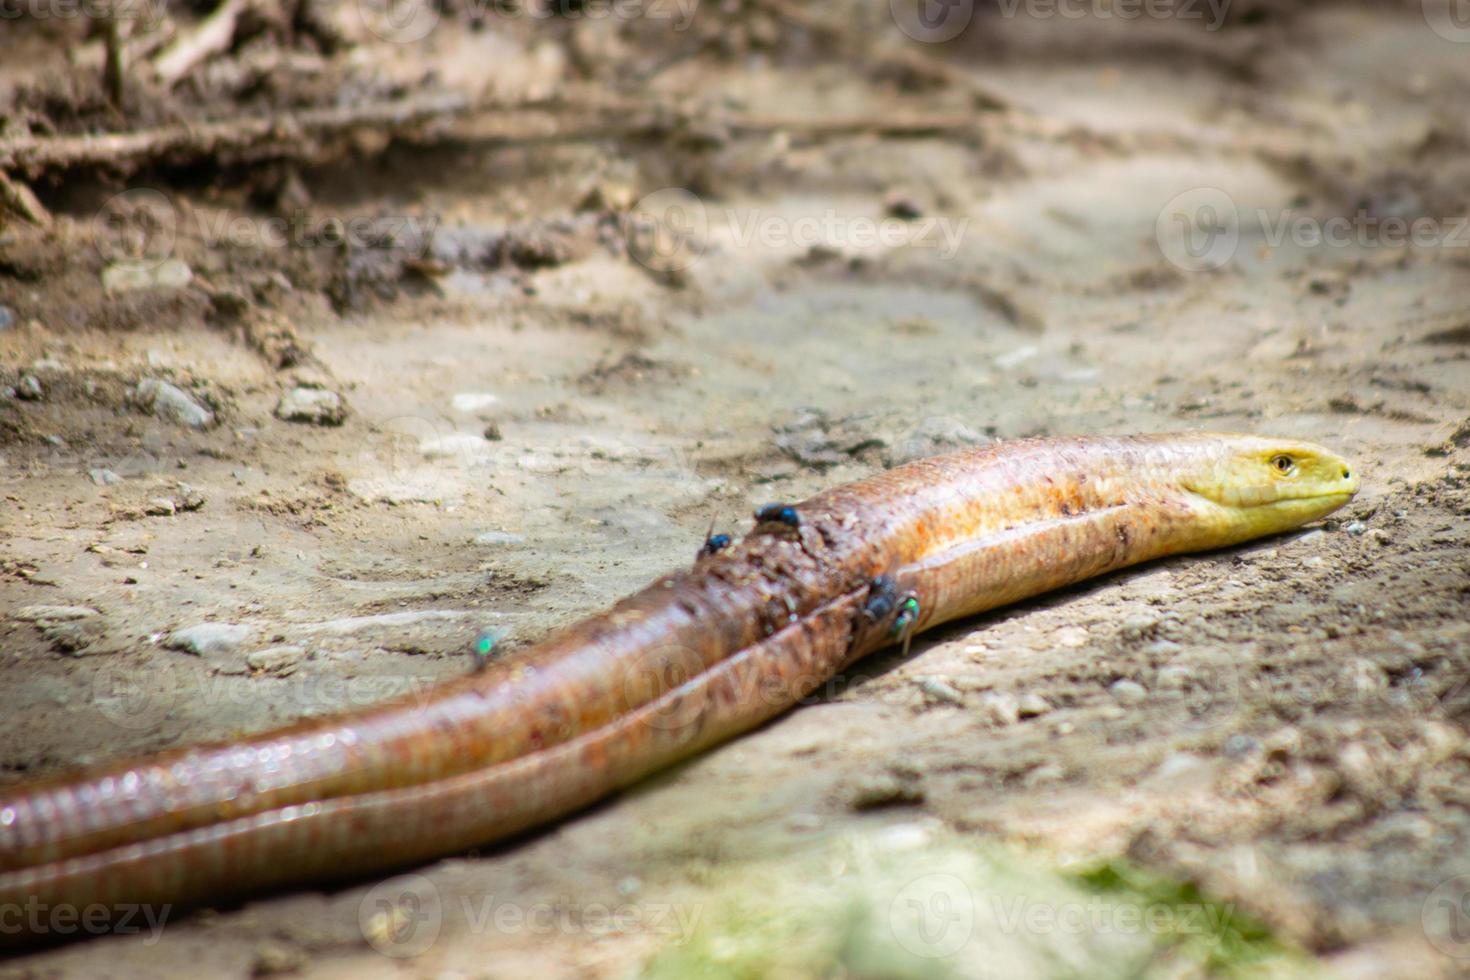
1283, 463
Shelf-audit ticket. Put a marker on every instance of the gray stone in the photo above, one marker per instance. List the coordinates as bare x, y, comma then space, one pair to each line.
209, 639
7, 318
1033, 706
123, 277
103, 477
939, 690
53, 614
280, 660
29, 388
314, 406
171, 404
1000, 708
1129, 693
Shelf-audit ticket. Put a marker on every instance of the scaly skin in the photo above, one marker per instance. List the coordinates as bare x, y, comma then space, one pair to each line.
697, 657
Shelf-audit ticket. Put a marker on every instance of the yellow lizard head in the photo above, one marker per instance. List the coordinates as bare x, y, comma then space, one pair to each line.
1262, 485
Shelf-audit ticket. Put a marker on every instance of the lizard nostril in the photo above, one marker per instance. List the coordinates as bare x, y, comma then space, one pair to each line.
1345, 474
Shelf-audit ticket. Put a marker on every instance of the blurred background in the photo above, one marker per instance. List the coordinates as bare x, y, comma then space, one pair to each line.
335, 334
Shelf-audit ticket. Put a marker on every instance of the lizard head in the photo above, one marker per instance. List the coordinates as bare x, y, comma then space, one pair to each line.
1263, 485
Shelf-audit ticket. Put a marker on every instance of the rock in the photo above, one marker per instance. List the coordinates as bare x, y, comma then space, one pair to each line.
209, 639
7, 318
499, 537
1072, 637
53, 614
50, 616
1240, 746
1137, 627
123, 277
280, 660
160, 507
1355, 528
938, 690
186, 499
1174, 678
273, 958
29, 389
313, 406
1162, 648
72, 638
1129, 693
473, 401
1000, 708
886, 789
171, 404
104, 477
902, 205
1032, 706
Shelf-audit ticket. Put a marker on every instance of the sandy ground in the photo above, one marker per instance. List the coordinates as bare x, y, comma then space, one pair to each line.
525, 443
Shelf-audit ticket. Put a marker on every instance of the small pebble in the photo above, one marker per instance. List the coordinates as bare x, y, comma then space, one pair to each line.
1175, 678
1355, 528
280, 660
29, 389
160, 507
939, 690
1239, 746
313, 406
1032, 706
104, 477
53, 614
208, 639
172, 404
1129, 693
1000, 708
1162, 648
885, 789
7, 318
1072, 636
272, 959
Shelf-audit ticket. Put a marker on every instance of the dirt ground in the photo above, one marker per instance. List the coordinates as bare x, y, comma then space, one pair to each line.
557, 361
